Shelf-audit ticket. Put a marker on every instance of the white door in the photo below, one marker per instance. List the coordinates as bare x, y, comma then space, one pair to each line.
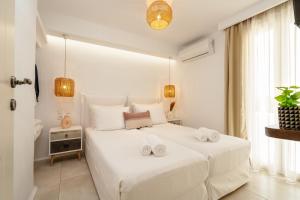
6, 93
17, 58
24, 46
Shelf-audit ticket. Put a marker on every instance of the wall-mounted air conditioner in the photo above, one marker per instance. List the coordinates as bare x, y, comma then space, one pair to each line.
197, 50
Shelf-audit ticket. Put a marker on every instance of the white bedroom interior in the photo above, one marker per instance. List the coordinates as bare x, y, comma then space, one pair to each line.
92, 118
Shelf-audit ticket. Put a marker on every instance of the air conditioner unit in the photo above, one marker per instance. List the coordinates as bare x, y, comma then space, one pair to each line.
197, 50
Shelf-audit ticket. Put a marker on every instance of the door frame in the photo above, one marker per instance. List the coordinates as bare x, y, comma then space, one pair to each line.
7, 11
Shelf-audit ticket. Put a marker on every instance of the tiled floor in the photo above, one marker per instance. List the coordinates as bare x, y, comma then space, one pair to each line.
71, 180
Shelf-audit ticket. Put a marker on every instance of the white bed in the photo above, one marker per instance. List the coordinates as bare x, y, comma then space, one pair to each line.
120, 172
228, 158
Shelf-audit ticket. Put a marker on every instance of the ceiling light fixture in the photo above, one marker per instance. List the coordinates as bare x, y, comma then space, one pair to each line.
159, 14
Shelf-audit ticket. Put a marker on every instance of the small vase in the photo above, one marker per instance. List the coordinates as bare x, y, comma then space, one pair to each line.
289, 118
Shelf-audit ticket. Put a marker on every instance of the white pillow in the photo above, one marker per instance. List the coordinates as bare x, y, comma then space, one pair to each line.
156, 110
106, 118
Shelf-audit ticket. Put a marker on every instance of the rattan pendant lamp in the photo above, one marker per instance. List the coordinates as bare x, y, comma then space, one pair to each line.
169, 90
159, 14
64, 87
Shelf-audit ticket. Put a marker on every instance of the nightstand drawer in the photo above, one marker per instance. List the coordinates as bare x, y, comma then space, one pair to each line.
65, 135
65, 145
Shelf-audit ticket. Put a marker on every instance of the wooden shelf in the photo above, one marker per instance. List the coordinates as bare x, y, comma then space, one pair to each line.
282, 134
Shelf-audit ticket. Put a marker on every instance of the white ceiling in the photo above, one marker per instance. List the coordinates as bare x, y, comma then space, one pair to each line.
192, 18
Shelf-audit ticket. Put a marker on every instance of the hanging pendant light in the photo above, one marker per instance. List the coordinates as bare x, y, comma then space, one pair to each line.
64, 87
159, 14
169, 90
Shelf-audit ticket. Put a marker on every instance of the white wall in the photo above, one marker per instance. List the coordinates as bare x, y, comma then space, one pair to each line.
96, 70
202, 88
87, 31
25, 36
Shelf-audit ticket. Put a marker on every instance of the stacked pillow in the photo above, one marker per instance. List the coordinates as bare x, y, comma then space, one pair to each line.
156, 110
137, 120
105, 118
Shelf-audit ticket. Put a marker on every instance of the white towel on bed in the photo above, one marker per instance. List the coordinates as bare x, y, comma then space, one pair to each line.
205, 134
158, 148
145, 147
201, 136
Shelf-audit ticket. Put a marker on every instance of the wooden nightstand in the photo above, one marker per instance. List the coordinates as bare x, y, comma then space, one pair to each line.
65, 141
175, 121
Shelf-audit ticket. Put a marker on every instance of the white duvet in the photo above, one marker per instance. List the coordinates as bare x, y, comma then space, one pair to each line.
228, 158
125, 174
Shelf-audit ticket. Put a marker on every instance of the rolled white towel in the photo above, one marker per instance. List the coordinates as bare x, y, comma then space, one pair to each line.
212, 135
145, 148
201, 136
158, 148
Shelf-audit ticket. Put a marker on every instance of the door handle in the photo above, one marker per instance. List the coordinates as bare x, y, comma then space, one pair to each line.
13, 104
14, 82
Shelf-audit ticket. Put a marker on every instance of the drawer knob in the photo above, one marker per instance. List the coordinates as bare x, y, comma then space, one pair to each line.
66, 135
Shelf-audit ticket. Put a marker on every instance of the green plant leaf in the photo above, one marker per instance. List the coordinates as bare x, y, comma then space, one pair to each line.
289, 97
280, 98
296, 95
282, 88
287, 92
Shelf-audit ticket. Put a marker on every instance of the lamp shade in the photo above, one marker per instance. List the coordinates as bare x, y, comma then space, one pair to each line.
64, 87
169, 91
159, 15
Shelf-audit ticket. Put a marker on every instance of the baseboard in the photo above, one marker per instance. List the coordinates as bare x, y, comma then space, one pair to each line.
41, 159
33, 193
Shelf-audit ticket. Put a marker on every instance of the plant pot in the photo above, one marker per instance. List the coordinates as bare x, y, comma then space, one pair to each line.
289, 118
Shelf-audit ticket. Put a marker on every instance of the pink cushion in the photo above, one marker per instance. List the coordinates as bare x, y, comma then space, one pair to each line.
137, 120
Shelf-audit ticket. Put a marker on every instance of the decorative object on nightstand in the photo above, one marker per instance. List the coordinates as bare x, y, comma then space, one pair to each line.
65, 141
175, 121
66, 122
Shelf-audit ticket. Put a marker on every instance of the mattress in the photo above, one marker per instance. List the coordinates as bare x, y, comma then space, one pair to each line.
120, 172
228, 158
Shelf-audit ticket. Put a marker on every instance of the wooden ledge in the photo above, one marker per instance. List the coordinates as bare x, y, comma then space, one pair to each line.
282, 134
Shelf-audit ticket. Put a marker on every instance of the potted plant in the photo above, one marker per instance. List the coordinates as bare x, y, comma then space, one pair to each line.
288, 110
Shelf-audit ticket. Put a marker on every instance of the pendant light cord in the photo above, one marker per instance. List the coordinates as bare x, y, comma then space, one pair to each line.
65, 69
169, 71
170, 81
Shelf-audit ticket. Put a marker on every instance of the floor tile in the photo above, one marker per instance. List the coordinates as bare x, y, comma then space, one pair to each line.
73, 168
243, 193
47, 193
46, 175
70, 179
78, 188
273, 187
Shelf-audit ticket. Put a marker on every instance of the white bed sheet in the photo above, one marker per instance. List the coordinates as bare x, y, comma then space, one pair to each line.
228, 158
120, 172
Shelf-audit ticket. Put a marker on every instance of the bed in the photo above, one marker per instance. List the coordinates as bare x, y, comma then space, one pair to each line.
120, 172
228, 158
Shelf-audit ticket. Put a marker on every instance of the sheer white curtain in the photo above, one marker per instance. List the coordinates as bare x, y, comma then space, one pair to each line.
273, 59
